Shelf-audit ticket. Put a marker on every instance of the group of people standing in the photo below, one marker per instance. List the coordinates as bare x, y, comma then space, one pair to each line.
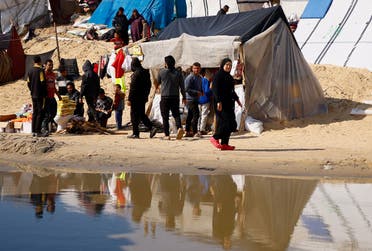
195, 90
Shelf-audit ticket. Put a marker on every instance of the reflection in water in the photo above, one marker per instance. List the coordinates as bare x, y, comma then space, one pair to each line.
136, 211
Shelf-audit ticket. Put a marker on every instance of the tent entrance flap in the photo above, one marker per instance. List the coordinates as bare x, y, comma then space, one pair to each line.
280, 84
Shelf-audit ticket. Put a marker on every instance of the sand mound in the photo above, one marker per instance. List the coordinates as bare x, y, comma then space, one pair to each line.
25, 144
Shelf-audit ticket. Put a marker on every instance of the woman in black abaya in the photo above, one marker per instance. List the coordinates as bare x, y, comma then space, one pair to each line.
224, 105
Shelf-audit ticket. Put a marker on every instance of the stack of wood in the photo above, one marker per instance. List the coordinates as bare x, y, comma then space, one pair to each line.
81, 127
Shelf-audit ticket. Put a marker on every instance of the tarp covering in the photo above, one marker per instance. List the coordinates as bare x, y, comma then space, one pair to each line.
201, 8
279, 82
13, 57
30, 60
244, 24
161, 12
316, 8
22, 12
63, 10
188, 49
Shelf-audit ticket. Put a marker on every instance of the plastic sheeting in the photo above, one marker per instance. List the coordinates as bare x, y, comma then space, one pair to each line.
201, 8
188, 49
21, 12
161, 12
280, 84
316, 8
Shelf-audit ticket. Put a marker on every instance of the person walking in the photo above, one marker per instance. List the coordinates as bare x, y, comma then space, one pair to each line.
193, 87
89, 89
224, 103
171, 82
140, 86
37, 86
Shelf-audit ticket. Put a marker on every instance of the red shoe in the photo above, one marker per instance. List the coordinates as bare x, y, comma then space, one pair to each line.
227, 147
215, 142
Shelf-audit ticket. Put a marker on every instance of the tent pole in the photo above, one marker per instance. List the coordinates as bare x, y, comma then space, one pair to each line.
55, 30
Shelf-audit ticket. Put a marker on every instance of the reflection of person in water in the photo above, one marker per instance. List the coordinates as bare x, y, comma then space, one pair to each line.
91, 196
172, 198
224, 191
139, 186
43, 191
194, 193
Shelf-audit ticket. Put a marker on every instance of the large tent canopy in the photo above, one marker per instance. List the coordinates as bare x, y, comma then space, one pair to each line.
279, 82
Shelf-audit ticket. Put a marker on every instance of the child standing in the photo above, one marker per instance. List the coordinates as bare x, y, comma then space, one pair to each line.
118, 106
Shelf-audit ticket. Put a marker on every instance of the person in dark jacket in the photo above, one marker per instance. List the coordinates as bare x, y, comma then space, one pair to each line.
140, 86
121, 24
223, 11
38, 89
171, 81
74, 95
89, 89
224, 104
193, 86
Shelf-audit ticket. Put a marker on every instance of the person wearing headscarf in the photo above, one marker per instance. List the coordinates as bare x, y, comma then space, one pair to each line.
224, 105
136, 25
140, 86
90, 86
120, 23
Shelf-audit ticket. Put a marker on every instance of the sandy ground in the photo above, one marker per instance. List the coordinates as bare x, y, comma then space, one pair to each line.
336, 144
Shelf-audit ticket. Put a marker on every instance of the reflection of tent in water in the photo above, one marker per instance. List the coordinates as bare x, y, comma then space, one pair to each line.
272, 208
279, 82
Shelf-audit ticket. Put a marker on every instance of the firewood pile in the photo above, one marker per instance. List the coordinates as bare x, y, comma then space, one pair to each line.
82, 127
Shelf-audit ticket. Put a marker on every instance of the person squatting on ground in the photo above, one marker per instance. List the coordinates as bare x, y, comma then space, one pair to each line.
118, 106
204, 104
74, 95
50, 101
103, 108
193, 88
171, 82
140, 86
37, 86
224, 103
89, 89
121, 23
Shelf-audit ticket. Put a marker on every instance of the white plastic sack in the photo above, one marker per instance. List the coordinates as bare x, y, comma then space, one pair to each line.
238, 110
62, 121
110, 68
253, 125
126, 66
155, 113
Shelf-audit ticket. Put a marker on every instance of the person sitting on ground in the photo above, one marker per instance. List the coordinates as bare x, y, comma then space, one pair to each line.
103, 108
74, 95
223, 11
118, 42
140, 86
118, 106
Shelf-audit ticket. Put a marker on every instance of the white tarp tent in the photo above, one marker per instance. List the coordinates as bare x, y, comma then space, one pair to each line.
21, 13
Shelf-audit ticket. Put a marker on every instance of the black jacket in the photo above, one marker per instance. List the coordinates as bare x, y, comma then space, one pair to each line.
90, 81
140, 85
36, 82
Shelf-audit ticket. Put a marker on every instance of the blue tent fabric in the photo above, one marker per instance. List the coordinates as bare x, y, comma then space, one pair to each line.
161, 12
316, 8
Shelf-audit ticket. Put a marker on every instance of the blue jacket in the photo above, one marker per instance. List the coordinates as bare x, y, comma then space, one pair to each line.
193, 85
207, 92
